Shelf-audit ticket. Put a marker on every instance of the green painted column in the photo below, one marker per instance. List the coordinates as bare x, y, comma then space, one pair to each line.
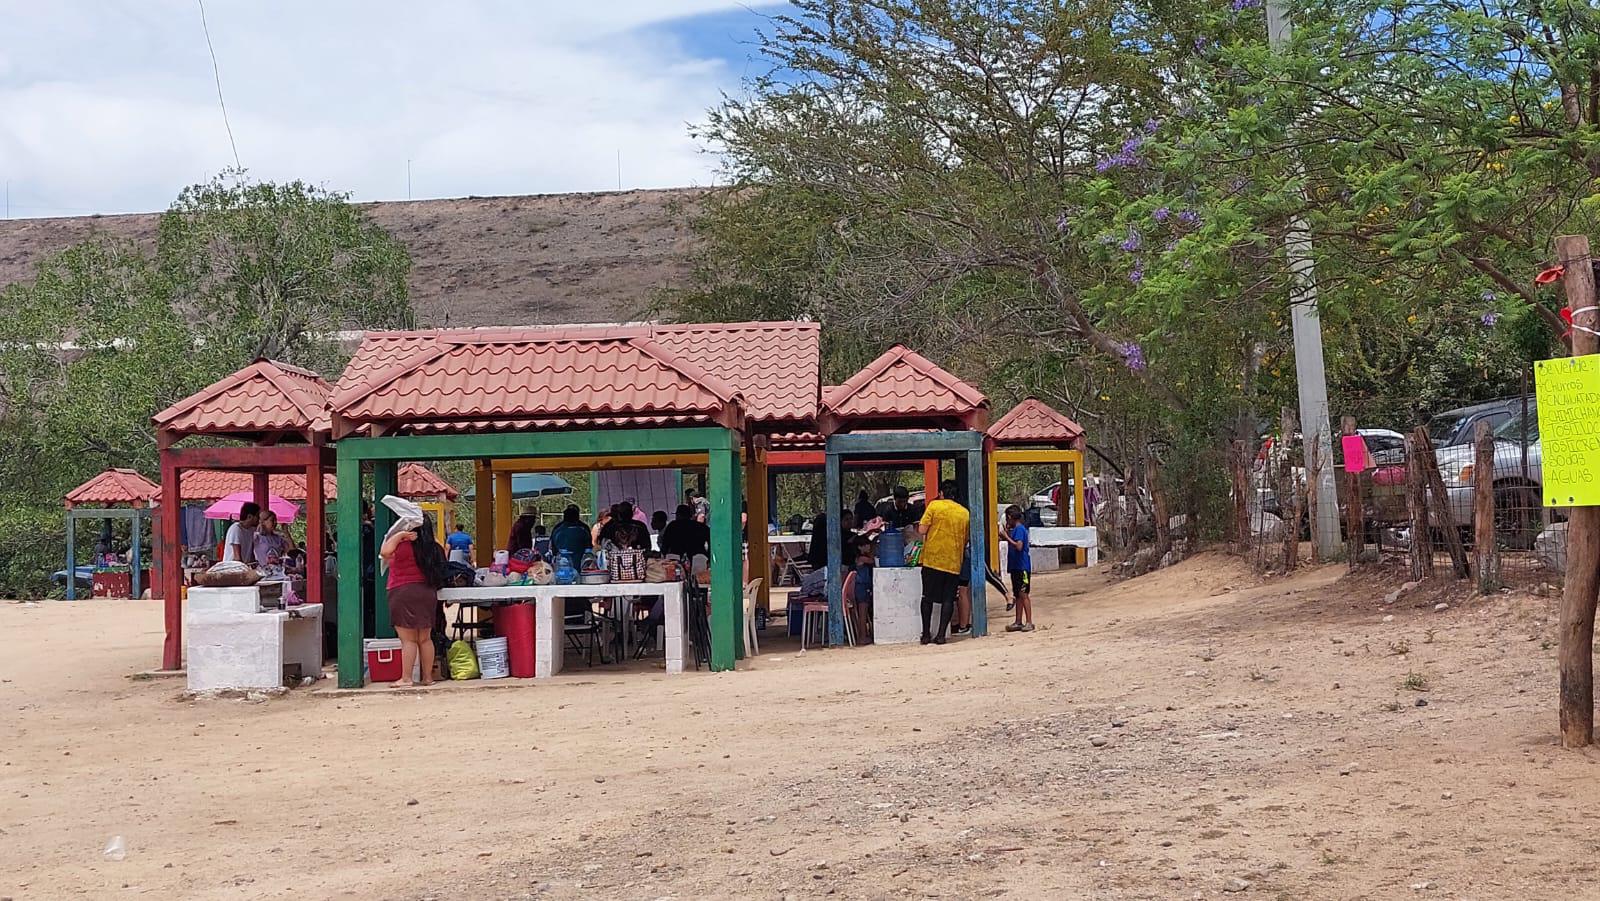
348, 522
385, 480
727, 557
833, 490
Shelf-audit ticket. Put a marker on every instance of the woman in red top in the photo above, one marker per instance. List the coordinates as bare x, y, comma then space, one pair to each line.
416, 573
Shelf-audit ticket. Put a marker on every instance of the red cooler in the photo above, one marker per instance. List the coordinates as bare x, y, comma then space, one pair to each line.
515, 625
384, 663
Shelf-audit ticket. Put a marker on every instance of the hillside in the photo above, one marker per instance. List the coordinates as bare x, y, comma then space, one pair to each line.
477, 260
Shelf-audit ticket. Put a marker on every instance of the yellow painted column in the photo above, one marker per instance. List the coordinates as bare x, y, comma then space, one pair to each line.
502, 509
483, 512
1080, 516
755, 492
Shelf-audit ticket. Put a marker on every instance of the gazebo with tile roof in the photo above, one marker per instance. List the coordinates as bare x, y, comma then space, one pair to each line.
572, 398
775, 367
281, 412
1033, 432
113, 494
903, 406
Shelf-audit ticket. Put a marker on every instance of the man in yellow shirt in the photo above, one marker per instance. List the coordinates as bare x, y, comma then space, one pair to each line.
944, 529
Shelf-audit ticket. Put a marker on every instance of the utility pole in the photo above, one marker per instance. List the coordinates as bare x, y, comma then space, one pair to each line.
1310, 371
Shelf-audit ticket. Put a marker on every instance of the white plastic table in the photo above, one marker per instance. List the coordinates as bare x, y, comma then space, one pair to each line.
1086, 537
550, 616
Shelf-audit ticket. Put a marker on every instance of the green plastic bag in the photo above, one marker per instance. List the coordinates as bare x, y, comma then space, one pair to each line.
463, 660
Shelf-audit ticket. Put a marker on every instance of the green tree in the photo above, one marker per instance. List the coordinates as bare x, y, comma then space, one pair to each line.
103, 336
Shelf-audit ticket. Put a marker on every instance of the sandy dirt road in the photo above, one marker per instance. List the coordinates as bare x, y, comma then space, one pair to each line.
1259, 740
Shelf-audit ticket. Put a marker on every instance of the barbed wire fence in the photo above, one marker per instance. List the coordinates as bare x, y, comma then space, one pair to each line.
1467, 511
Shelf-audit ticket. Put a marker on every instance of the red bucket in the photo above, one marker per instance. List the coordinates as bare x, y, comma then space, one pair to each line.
515, 625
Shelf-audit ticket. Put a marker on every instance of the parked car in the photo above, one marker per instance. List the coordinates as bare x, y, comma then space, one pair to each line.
1518, 478
1382, 445
1517, 496
1458, 426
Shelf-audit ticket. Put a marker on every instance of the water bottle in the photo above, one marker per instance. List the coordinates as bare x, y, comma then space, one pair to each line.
565, 574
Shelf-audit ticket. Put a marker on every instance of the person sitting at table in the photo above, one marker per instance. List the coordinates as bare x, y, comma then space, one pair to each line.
571, 536
849, 541
857, 590
603, 520
686, 536
459, 544
521, 535
624, 532
271, 545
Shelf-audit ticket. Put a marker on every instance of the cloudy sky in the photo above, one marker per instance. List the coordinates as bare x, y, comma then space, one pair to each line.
110, 106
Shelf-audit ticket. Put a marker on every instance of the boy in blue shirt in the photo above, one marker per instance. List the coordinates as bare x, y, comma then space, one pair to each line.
1018, 562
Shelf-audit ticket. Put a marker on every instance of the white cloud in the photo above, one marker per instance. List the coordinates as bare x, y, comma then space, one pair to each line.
111, 107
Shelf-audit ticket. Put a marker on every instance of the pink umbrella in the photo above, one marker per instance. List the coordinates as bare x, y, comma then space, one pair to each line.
228, 507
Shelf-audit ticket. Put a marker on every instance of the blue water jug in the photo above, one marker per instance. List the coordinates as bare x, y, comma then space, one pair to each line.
892, 548
565, 574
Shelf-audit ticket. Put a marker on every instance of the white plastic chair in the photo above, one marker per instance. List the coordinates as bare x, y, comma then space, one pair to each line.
752, 590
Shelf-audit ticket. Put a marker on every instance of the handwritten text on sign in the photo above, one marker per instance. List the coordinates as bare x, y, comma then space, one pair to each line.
1569, 430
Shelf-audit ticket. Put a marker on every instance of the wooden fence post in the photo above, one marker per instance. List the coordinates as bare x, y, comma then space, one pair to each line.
1439, 503
1355, 529
1583, 524
1417, 444
1158, 504
1314, 463
1289, 495
1485, 557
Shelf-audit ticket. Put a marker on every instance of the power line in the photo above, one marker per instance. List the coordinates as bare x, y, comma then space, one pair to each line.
217, 73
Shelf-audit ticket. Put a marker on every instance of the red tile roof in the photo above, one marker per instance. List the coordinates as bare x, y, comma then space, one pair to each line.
115, 487
775, 366
416, 481
903, 388
1034, 422
211, 485
262, 398
510, 378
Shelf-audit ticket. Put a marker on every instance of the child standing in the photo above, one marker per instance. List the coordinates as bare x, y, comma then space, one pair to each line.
1018, 562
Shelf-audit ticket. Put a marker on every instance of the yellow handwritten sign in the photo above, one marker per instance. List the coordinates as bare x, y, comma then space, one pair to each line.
1569, 430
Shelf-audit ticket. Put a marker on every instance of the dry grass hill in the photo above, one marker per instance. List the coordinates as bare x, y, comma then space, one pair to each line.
478, 260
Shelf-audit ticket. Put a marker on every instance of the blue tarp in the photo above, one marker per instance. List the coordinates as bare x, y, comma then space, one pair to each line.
531, 484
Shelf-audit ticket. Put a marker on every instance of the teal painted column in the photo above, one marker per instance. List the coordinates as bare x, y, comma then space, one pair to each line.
347, 508
833, 490
977, 548
133, 555
385, 480
594, 497
727, 557
72, 556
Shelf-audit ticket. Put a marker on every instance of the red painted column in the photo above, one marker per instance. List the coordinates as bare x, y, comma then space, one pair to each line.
315, 504
258, 483
170, 539
930, 479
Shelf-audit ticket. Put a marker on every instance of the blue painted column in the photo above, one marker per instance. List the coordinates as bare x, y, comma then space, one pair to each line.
973, 474
833, 479
348, 522
133, 555
72, 556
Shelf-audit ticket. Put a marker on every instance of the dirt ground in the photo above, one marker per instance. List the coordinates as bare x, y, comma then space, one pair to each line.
1260, 740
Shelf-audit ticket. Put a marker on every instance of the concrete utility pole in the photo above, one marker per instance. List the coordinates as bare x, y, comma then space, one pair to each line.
1310, 371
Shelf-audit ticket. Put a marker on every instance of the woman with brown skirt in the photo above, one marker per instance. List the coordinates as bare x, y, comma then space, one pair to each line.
416, 573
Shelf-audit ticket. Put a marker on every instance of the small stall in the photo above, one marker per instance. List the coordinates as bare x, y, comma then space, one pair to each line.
1034, 433
280, 414
113, 494
902, 406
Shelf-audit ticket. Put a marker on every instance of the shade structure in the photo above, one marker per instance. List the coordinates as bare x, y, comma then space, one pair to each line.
532, 484
228, 507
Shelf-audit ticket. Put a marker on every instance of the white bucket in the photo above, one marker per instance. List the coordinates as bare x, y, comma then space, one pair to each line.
492, 660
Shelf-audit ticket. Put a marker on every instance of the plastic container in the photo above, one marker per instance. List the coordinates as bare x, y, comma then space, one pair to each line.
383, 659
891, 548
492, 662
566, 573
515, 625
